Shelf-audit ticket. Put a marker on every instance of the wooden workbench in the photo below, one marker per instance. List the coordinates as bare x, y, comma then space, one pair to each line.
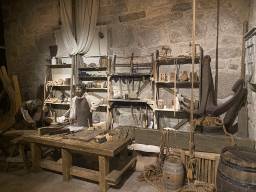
104, 151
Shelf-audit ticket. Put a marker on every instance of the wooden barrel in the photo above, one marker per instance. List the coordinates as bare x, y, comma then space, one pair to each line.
173, 173
236, 170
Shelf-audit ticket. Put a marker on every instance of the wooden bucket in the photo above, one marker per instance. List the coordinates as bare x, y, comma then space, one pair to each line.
173, 173
236, 170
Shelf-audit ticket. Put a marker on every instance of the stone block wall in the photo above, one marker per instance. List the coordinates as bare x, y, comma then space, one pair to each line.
28, 30
134, 26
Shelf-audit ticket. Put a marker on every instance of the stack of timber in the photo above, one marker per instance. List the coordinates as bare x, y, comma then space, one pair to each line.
7, 120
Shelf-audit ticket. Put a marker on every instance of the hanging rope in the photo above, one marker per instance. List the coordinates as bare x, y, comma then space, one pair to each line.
192, 160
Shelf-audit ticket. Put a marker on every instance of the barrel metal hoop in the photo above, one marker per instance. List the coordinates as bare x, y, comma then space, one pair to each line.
169, 187
174, 168
237, 167
172, 183
237, 183
172, 164
173, 173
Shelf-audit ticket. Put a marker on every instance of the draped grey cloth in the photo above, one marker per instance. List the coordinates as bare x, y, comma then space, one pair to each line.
86, 12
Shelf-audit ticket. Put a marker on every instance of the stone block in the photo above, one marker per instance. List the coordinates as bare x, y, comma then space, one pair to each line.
181, 7
160, 20
132, 16
182, 32
122, 35
228, 53
151, 36
233, 66
225, 84
114, 9
206, 5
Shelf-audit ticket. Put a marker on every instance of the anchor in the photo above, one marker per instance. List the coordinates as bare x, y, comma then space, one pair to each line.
207, 107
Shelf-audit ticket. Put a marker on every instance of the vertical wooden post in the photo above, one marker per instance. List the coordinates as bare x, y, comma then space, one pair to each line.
36, 157
24, 158
66, 164
104, 171
217, 159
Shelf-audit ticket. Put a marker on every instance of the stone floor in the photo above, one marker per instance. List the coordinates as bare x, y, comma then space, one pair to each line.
16, 180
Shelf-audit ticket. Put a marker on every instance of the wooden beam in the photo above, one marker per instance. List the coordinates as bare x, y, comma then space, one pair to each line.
17, 92
180, 140
183, 121
115, 176
36, 157
104, 171
85, 173
51, 165
66, 164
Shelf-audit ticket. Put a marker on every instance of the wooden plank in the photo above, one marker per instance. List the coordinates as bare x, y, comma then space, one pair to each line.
243, 122
8, 119
17, 92
45, 130
204, 155
104, 171
209, 172
51, 165
182, 156
217, 159
180, 140
87, 136
206, 162
183, 121
115, 176
66, 164
36, 153
213, 172
24, 158
17, 132
85, 173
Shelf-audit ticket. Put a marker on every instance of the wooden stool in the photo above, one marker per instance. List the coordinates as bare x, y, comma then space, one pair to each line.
21, 158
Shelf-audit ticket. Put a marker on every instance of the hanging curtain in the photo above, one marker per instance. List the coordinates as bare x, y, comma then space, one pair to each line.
78, 42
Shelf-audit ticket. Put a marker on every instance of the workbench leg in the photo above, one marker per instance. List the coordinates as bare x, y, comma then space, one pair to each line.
36, 153
104, 171
24, 157
66, 164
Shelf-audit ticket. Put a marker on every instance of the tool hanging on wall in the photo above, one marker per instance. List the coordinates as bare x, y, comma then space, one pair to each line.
146, 82
131, 64
175, 91
120, 86
127, 83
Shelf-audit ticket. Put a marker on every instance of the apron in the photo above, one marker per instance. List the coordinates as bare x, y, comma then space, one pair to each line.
83, 112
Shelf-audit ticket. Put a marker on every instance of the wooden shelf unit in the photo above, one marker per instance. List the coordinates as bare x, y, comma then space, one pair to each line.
51, 72
180, 60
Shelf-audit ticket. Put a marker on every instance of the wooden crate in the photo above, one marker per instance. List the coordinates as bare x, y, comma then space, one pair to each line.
207, 164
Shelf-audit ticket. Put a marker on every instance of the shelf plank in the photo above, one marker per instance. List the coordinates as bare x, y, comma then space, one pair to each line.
92, 78
168, 110
58, 103
92, 69
60, 66
179, 84
96, 89
128, 75
129, 101
180, 60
